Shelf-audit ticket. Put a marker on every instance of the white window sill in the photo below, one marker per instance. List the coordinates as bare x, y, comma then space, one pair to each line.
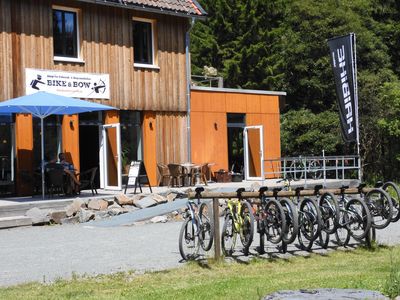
146, 66
68, 59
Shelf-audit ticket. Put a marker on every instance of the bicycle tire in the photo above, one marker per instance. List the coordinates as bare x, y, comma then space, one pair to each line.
297, 169
315, 169
381, 207
360, 220
323, 238
206, 234
305, 244
329, 211
342, 234
228, 236
292, 220
275, 221
313, 227
247, 228
188, 240
394, 192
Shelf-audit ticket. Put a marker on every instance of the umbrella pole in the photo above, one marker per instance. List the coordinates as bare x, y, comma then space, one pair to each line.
42, 153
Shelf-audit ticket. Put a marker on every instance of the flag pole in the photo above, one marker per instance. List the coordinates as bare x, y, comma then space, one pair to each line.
360, 171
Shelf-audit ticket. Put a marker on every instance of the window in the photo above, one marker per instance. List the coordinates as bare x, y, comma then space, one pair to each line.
143, 41
65, 33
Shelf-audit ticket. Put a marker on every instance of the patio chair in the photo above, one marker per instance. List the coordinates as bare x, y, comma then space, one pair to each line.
177, 174
86, 179
55, 182
200, 174
164, 173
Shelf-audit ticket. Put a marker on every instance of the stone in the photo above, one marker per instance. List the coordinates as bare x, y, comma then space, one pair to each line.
74, 207
130, 208
123, 200
255, 187
57, 216
70, 220
159, 199
101, 214
98, 204
136, 198
145, 202
38, 216
171, 197
159, 219
329, 293
115, 210
85, 215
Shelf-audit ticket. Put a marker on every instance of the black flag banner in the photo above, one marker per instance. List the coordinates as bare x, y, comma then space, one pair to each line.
341, 49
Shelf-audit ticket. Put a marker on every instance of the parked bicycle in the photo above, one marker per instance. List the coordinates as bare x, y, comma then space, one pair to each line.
301, 167
197, 229
239, 221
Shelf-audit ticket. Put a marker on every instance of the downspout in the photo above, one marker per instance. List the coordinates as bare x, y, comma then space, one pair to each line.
188, 81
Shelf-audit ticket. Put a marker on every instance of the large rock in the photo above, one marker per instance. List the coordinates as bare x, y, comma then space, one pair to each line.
38, 216
57, 216
71, 220
159, 199
74, 207
98, 204
171, 197
136, 198
123, 199
146, 202
85, 215
115, 210
329, 293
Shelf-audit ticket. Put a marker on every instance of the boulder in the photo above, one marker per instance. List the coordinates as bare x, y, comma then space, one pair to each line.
136, 198
255, 187
159, 199
146, 202
57, 216
98, 204
38, 216
115, 210
171, 197
123, 199
74, 207
85, 215
159, 219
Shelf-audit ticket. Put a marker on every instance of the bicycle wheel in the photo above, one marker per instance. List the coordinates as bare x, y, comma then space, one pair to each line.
342, 234
359, 221
206, 234
315, 169
394, 192
310, 226
247, 227
323, 238
275, 221
381, 207
188, 240
292, 220
329, 211
305, 222
297, 169
228, 237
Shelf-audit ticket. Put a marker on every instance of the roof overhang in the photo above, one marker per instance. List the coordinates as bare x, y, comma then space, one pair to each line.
137, 7
240, 91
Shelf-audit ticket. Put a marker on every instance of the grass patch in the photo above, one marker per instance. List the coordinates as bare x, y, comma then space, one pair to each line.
375, 270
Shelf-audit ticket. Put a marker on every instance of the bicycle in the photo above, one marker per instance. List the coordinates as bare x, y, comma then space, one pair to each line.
239, 220
301, 166
197, 229
271, 220
394, 192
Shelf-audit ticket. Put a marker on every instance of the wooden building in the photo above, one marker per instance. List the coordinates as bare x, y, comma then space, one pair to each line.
130, 54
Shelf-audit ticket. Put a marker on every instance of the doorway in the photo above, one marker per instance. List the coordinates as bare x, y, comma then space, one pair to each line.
89, 142
254, 152
235, 124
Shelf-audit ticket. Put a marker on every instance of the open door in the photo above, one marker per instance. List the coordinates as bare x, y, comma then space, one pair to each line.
253, 152
110, 164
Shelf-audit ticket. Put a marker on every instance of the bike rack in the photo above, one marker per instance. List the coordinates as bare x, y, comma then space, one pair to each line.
255, 196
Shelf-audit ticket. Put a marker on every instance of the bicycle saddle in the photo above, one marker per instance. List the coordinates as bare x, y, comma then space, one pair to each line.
363, 185
239, 192
262, 190
198, 191
317, 188
343, 188
276, 190
378, 184
298, 189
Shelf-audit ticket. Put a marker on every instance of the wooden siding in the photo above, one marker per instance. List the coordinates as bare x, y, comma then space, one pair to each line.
209, 125
106, 45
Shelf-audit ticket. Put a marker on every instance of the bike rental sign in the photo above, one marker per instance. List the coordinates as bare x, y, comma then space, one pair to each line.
78, 85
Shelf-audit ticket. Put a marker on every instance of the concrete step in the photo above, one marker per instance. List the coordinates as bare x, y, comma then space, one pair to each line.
20, 208
9, 222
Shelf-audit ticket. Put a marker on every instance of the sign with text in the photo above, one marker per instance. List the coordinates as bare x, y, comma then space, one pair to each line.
78, 85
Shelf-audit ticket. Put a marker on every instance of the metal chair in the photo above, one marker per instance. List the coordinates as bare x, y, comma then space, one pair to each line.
55, 181
200, 174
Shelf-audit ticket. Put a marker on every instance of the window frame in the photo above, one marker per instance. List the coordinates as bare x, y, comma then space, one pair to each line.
77, 11
154, 64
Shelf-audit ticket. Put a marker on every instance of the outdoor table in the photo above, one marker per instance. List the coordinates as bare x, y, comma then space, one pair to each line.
189, 167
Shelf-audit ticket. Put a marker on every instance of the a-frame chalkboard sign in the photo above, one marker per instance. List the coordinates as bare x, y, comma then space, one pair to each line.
137, 176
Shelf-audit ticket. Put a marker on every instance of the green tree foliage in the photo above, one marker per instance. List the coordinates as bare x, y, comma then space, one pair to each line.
282, 45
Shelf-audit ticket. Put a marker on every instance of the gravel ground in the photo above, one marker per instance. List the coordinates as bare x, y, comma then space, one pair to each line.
50, 252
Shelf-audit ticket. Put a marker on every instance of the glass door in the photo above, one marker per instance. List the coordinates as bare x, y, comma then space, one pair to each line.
253, 152
110, 164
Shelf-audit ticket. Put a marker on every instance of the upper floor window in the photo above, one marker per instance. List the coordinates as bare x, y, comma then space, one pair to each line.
143, 39
65, 32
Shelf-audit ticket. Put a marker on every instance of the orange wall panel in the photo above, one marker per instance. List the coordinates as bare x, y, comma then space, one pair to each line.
196, 101
112, 117
24, 154
149, 146
70, 139
235, 103
254, 119
253, 103
269, 104
214, 102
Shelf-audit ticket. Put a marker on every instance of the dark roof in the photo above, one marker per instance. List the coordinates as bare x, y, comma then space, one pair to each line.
188, 8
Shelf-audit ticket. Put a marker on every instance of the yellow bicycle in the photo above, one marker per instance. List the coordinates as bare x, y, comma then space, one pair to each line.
239, 221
